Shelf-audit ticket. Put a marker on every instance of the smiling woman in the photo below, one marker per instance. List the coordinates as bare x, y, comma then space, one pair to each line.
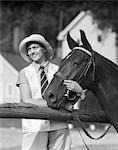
36, 52
32, 82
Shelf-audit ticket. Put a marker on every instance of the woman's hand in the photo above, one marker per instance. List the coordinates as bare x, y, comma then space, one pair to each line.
75, 87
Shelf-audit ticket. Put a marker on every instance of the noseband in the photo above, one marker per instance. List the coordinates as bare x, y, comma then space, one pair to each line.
83, 74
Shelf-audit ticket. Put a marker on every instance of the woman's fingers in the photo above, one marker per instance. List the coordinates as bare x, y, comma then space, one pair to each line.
67, 81
69, 84
73, 86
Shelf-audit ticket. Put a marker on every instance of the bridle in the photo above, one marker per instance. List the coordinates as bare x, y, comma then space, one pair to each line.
86, 69
83, 74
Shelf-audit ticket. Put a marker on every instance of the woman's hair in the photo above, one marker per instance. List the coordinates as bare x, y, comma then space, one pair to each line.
41, 45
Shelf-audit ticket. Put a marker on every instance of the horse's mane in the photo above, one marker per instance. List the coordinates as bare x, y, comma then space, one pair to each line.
105, 62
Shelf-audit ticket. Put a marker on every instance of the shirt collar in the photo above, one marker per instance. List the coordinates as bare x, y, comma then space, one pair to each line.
37, 66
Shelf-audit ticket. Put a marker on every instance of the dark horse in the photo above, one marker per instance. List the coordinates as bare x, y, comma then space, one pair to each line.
93, 72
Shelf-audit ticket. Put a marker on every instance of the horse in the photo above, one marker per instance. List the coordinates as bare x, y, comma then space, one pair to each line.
93, 72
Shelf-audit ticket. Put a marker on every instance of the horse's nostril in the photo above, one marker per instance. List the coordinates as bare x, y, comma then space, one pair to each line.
52, 97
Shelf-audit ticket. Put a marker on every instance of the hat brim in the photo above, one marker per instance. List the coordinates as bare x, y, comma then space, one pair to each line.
36, 38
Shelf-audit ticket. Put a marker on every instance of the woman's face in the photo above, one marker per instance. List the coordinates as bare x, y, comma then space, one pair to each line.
35, 52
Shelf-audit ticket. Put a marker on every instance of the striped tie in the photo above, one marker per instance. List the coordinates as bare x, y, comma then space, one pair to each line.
44, 81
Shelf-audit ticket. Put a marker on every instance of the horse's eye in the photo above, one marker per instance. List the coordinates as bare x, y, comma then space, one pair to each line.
75, 64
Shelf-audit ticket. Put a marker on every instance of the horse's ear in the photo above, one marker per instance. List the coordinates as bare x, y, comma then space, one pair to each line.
85, 41
71, 42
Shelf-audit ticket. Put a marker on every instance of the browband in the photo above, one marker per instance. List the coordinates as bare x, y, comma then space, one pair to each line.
83, 49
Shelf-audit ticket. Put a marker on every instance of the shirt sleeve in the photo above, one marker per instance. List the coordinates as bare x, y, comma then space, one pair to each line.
21, 78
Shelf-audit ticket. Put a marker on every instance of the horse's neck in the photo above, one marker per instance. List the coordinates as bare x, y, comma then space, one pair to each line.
106, 78
100, 92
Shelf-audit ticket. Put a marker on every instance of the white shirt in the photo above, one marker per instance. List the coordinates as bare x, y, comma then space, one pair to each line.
29, 75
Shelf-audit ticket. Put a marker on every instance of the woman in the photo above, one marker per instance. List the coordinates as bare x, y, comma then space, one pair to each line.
39, 134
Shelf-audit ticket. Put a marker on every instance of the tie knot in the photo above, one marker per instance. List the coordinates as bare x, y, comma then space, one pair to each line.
41, 67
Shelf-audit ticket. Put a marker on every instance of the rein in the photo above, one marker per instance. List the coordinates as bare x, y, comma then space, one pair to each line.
78, 122
83, 128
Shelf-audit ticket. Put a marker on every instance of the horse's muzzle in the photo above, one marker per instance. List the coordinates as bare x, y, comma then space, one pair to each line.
51, 99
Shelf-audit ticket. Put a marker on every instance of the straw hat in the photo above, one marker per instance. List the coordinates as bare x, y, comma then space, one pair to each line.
36, 38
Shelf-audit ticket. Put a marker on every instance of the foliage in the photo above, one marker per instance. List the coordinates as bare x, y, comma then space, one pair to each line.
49, 17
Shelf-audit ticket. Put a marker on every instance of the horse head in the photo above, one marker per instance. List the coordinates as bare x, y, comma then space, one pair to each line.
77, 66
92, 71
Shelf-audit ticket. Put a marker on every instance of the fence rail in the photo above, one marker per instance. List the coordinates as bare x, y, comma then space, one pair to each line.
30, 111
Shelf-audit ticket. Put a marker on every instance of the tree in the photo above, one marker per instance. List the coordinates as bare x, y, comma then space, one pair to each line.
43, 16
